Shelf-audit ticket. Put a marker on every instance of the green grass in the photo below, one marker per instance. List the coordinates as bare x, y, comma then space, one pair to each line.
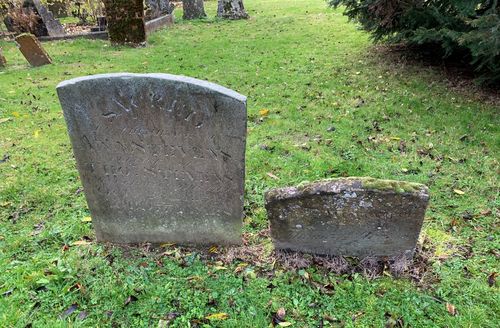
312, 70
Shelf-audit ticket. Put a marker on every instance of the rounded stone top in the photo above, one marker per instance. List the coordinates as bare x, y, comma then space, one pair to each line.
168, 78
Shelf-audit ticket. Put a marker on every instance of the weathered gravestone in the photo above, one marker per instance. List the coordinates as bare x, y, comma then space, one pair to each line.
161, 157
193, 9
125, 20
351, 217
231, 9
53, 26
3, 61
32, 50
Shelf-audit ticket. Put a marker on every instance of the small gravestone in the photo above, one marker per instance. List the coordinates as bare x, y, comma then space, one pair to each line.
157, 8
53, 26
3, 61
350, 217
32, 50
161, 157
125, 20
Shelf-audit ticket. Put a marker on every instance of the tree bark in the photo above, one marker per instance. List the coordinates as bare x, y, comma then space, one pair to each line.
231, 9
193, 9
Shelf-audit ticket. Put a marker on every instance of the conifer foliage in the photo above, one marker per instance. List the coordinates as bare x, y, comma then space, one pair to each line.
470, 27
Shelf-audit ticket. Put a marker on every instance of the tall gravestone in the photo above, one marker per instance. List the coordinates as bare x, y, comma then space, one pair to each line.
348, 216
53, 26
161, 157
125, 20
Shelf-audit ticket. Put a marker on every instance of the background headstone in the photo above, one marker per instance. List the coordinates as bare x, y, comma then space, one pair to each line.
53, 26
193, 9
3, 61
161, 157
231, 9
157, 8
351, 217
125, 20
32, 50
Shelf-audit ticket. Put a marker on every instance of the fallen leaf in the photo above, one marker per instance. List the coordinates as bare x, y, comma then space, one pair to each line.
284, 324
15, 114
217, 316
166, 245
69, 310
87, 219
492, 279
6, 119
213, 250
36, 134
80, 243
280, 314
82, 315
458, 191
269, 174
451, 309
264, 112
130, 299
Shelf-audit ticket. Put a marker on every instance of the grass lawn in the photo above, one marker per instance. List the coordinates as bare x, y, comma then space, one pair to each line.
337, 107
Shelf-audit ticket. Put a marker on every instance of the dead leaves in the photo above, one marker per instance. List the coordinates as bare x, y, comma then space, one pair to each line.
279, 318
451, 309
492, 279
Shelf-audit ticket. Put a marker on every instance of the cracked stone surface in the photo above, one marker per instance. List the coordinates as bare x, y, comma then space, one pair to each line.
161, 157
348, 216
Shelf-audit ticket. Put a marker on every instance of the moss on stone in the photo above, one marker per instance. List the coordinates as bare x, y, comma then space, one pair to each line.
398, 186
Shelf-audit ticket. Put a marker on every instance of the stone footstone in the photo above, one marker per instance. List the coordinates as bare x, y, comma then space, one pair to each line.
161, 157
349, 217
32, 50
3, 61
125, 20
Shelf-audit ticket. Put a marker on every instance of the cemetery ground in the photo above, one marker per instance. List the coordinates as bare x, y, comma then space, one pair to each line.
322, 102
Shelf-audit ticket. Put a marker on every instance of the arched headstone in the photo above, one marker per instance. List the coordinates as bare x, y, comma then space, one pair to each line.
161, 157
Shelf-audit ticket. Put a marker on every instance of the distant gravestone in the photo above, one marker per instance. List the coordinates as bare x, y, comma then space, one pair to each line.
53, 26
125, 19
32, 50
3, 61
193, 9
351, 217
161, 157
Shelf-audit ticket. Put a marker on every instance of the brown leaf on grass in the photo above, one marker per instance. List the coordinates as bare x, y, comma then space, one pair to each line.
130, 299
492, 279
280, 314
451, 309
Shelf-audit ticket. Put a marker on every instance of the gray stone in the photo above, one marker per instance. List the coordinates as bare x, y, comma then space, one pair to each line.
193, 9
161, 157
54, 27
231, 9
348, 216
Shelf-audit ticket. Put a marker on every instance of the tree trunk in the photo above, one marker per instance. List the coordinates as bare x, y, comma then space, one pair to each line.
193, 9
231, 9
